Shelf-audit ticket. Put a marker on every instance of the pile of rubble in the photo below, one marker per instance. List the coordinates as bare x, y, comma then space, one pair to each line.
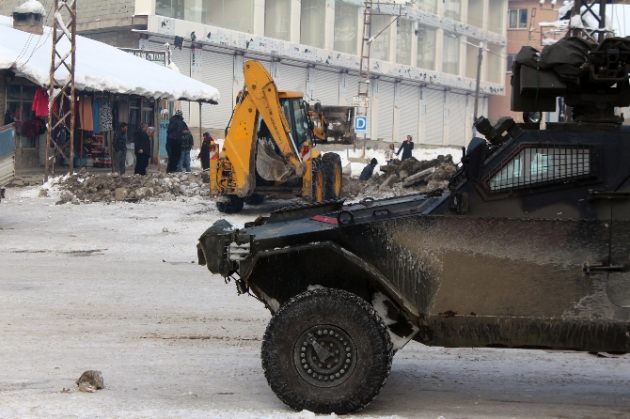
403, 177
84, 187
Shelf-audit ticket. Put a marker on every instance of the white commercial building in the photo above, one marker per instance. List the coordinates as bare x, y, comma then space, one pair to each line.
423, 65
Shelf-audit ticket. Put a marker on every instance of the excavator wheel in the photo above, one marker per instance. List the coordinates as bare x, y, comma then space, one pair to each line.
326, 350
331, 166
230, 204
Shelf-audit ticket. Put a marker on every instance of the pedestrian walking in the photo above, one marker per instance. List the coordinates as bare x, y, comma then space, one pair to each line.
204, 153
406, 148
176, 126
143, 149
186, 144
368, 170
120, 149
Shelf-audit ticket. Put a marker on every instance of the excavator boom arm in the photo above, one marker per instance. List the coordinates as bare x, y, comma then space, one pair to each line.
263, 92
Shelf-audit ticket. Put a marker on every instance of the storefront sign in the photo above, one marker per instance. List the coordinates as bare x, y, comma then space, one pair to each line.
157, 57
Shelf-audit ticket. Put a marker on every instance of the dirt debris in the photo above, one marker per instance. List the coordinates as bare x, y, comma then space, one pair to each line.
90, 381
403, 177
86, 187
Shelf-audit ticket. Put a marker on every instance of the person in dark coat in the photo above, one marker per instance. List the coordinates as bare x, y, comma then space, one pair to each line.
176, 126
186, 144
368, 170
204, 153
406, 148
120, 149
143, 149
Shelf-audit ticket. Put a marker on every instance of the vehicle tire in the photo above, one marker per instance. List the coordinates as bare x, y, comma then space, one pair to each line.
231, 205
255, 199
331, 165
293, 349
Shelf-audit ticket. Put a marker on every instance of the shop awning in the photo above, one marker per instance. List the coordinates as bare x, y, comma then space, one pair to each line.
99, 67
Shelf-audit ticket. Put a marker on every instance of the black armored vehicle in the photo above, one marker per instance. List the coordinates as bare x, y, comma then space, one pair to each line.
528, 248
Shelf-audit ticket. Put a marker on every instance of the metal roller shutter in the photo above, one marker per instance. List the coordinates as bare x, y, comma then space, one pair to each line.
291, 78
326, 87
385, 98
409, 105
433, 101
456, 119
349, 89
217, 70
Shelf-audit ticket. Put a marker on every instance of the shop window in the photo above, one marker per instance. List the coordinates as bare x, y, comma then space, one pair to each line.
346, 27
453, 9
517, 19
379, 49
237, 15
313, 23
475, 13
19, 104
403, 41
543, 165
170, 8
427, 5
450, 57
278, 19
425, 47
140, 110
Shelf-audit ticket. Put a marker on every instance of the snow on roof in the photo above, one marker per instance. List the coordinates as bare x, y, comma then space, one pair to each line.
99, 67
31, 6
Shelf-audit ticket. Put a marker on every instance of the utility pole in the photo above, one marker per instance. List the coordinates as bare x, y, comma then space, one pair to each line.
362, 100
478, 82
61, 93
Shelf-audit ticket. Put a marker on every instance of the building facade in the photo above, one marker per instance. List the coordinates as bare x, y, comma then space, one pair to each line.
423, 59
527, 25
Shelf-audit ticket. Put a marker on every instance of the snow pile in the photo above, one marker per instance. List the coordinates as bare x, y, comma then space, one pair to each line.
85, 187
31, 6
404, 177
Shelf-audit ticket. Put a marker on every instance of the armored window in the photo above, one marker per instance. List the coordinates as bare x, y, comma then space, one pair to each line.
543, 165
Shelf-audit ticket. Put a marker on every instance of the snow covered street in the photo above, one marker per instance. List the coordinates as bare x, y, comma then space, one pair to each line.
116, 288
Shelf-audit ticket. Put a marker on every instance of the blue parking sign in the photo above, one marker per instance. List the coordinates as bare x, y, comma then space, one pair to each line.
360, 124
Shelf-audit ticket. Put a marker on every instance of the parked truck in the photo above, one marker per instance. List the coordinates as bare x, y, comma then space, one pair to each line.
528, 247
269, 149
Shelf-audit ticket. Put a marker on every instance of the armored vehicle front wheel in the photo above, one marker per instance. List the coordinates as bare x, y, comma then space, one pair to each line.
326, 350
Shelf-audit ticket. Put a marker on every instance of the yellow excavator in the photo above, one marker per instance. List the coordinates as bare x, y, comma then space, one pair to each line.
269, 149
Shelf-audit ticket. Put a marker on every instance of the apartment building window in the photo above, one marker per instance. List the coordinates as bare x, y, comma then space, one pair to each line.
346, 27
170, 8
450, 57
425, 47
472, 56
496, 16
278, 19
427, 5
380, 47
453, 9
475, 13
312, 23
403, 41
230, 14
517, 19
496, 71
